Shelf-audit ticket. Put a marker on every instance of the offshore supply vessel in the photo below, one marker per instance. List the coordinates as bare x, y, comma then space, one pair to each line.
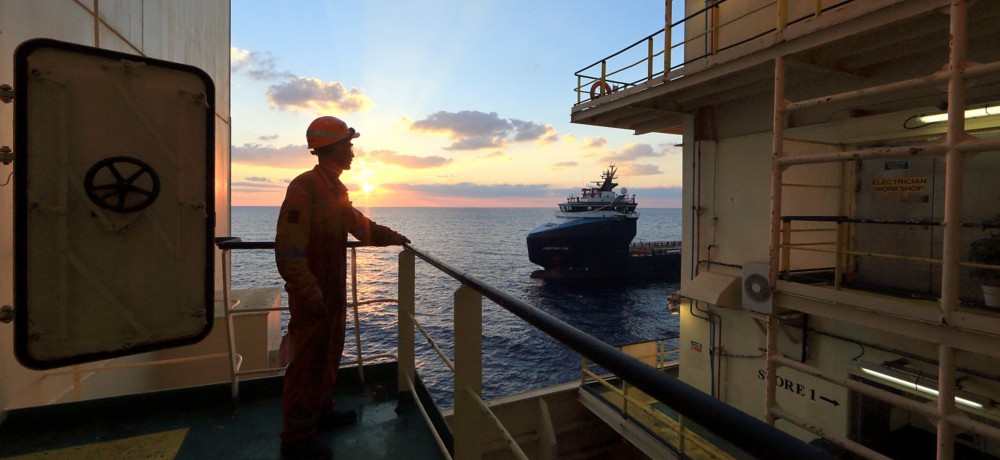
839, 161
591, 238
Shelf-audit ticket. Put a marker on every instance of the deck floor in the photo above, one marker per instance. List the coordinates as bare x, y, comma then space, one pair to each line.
203, 422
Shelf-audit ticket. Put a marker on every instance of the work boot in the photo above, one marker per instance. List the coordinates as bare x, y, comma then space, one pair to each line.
310, 448
337, 418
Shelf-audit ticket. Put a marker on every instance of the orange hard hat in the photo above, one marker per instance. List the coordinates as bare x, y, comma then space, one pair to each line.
325, 131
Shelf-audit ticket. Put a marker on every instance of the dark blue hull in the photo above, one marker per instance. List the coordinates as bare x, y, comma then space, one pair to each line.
592, 248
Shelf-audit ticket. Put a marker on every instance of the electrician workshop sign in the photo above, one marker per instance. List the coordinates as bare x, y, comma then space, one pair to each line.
899, 188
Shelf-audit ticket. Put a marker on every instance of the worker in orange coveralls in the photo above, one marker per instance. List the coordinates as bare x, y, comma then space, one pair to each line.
310, 251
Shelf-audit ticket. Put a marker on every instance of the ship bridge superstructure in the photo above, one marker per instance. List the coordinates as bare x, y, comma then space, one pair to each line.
840, 209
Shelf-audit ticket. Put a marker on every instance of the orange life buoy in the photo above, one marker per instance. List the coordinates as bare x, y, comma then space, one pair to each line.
599, 88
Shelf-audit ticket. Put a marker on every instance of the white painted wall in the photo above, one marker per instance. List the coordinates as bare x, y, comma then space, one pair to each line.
194, 32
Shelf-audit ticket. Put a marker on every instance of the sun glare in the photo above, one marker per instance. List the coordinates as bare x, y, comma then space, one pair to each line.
367, 188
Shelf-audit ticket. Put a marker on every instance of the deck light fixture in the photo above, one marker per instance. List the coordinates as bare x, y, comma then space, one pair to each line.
896, 372
984, 111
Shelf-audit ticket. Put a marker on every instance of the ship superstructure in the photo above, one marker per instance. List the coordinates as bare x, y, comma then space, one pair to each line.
839, 164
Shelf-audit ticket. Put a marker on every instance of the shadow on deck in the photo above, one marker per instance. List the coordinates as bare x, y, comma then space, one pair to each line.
204, 422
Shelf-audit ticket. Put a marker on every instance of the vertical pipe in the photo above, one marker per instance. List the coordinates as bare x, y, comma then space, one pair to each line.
782, 16
97, 23
667, 39
819, 8
469, 419
951, 253
953, 166
604, 72
771, 377
777, 147
357, 322
404, 333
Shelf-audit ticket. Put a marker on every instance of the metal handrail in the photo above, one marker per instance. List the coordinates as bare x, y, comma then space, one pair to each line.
739, 428
229, 243
710, 50
837, 251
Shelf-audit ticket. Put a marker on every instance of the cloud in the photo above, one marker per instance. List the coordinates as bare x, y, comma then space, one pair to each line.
497, 154
640, 170
594, 142
289, 156
657, 193
257, 185
474, 130
565, 164
632, 152
297, 93
258, 179
269, 137
470, 190
305, 94
407, 161
255, 64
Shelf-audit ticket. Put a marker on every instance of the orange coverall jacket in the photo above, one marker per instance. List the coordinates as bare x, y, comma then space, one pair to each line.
311, 242
310, 251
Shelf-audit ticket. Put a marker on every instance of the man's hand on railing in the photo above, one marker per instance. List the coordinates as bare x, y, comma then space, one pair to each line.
398, 240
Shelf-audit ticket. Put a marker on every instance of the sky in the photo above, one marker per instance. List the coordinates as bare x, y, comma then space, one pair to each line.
459, 103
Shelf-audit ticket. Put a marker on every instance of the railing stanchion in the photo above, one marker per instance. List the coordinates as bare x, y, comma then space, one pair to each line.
406, 293
469, 420
357, 321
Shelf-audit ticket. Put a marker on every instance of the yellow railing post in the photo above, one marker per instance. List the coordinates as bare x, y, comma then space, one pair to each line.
680, 432
469, 420
838, 263
404, 324
786, 250
716, 14
649, 59
579, 92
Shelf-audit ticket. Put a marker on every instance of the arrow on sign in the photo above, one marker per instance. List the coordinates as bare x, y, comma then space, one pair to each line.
831, 401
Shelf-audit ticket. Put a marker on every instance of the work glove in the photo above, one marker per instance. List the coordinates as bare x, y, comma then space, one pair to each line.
398, 240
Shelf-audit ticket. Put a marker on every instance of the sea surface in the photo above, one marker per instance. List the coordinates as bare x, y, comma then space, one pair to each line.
489, 244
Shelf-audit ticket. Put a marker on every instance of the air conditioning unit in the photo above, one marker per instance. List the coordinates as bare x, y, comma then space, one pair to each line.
756, 288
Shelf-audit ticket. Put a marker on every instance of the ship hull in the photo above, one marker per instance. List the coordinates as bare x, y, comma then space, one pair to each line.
595, 248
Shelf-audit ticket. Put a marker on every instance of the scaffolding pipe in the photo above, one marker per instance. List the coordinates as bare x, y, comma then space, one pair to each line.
951, 255
777, 148
774, 250
934, 79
